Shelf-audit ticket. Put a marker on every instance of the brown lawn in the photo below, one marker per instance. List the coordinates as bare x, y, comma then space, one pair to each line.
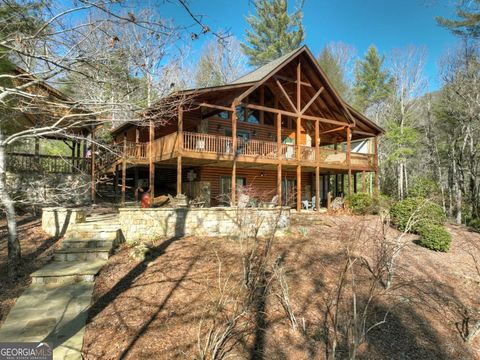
156, 308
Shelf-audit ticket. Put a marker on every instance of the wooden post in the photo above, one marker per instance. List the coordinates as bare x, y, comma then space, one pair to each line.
115, 183
279, 184
179, 175
317, 188
377, 183
124, 169
297, 138
79, 156
279, 158
92, 159
262, 103
137, 141
151, 165
354, 183
233, 196
317, 168
72, 163
299, 188
180, 149
349, 164
364, 182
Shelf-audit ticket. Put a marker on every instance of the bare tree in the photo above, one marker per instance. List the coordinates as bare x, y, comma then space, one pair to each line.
78, 44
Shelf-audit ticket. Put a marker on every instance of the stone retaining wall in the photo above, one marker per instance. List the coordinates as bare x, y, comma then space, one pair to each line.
55, 220
49, 189
146, 224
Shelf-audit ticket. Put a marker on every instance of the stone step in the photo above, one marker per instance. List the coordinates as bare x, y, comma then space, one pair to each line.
62, 272
92, 234
83, 254
85, 244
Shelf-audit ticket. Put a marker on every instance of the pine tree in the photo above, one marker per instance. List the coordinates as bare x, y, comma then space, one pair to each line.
372, 82
334, 71
274, 31
468, 24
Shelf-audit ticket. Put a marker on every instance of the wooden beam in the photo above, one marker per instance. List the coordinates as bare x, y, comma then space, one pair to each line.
299, 188
262, 103
213, 106
279, 184
310, 102
297, 138
349, 162
299, 86
375, 165
317, 142
294, 114
317, 188
151, 165
364, 182
334, 130
289, 79
286, 96
233, 197
279, 136
179, 175
180, 130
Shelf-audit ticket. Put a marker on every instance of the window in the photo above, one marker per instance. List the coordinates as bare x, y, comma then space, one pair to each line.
240, 134
223, 115
226, 188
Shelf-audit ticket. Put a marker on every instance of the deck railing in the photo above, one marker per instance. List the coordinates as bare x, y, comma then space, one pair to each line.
46, 163
165, 146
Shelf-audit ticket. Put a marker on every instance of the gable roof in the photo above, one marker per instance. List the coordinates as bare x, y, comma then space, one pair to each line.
263, 71
336, 107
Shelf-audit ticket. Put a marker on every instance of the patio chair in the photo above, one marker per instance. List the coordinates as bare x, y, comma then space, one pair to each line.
243, 200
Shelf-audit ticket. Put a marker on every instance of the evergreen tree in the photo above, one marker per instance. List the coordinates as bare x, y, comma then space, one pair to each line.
274, 31
334, 71
468, 24
372, 82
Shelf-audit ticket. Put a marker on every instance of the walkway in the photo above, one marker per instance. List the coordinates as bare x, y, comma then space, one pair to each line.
55, 306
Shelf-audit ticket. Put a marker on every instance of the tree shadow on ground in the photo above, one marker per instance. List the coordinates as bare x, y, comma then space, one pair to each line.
73, 326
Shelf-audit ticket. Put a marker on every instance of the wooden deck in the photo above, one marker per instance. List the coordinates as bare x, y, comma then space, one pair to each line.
220, 148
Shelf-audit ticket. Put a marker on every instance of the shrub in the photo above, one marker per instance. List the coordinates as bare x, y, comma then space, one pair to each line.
474, 224
426, 212
360, 203
434, 237
424, 187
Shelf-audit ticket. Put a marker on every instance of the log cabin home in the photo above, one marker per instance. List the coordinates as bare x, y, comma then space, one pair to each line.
281, 129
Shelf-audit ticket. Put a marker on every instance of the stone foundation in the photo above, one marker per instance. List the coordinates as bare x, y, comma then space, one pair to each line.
147, 224
55, 220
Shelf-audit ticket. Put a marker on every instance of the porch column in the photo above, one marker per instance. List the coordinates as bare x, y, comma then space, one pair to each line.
79, 156
349, 164
376, 189
180, 148
73, 148
317, 168
92, 159
124, 169
279, 158
151, 165
354, 183
364, 183
233, 196
299, 187
299, 168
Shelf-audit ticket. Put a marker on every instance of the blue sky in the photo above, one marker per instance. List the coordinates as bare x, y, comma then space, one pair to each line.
386, 23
